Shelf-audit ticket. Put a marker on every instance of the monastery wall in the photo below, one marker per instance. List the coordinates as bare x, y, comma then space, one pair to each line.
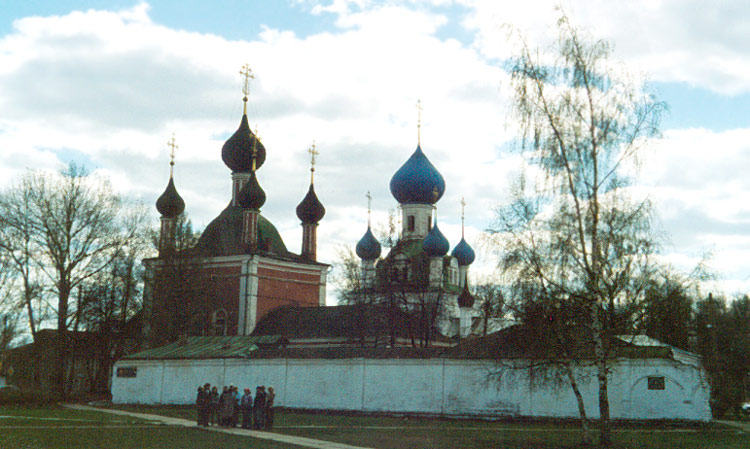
424, 386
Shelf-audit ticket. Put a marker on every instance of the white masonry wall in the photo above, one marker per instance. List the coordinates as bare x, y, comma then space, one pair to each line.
432, 386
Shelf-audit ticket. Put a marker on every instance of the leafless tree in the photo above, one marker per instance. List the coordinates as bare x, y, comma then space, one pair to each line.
70, 226
179, 292
579, 236
19, 239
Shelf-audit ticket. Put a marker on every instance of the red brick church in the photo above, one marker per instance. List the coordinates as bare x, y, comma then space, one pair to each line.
245, 266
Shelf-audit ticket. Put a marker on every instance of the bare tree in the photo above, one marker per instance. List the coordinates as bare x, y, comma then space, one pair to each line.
9, 328
178, 299
70, 226
579, 237
110, 303
19, 245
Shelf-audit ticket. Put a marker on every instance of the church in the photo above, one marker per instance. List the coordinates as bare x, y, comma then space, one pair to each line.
269, 324
247, 268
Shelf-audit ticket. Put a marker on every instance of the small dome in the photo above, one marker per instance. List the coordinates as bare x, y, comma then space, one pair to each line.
368, 247
251, 196
417, 181
435, 244
465, 299
310, 210
463, 253
170, 204
237, 152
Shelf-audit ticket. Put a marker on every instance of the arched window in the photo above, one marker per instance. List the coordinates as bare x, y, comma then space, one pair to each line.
220, 322
410, 223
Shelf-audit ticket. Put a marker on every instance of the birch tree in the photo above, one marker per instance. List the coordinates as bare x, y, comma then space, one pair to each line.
577, 235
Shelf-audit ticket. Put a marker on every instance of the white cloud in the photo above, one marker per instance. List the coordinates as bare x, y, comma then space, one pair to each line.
112, 86
699, 43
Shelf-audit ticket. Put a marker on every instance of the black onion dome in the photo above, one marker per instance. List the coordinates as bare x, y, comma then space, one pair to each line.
310, 210
465, 299
435, 244
463, 253
368, 247
251, 196
170, 204
417, 181
237, 152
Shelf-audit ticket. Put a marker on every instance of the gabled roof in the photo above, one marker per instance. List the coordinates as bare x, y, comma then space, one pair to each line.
236, 347
520, 342
330, 322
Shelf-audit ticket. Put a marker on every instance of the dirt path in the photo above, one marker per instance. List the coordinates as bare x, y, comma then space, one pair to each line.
289, 439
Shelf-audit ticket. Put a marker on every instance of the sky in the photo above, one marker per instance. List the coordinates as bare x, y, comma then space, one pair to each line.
106, 84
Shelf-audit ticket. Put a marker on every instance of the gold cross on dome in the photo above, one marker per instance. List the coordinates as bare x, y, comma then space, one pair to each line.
172, 144
247, 72
419, 121
369, 207
463, 206
313, 151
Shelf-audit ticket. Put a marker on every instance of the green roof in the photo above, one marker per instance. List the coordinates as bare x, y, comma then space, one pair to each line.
223, 236
238, 347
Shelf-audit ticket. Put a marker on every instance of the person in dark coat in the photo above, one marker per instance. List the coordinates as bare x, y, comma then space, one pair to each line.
235, 407
246, 407
225, 407
270, 397
213, 410
198, 402
259, 409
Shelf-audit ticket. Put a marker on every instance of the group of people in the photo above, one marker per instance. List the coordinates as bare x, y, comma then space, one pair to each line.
226, 408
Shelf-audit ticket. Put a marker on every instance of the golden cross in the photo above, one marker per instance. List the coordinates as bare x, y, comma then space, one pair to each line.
419, 121
313, 153
463, 206
369, 207
248, 74
172, 144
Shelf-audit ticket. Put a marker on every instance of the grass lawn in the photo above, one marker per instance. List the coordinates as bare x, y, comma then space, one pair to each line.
399, 433
52, 427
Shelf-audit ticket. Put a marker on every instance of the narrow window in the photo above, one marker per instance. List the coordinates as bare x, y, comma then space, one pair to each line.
410, 223
656, 382
429, 224
220, 322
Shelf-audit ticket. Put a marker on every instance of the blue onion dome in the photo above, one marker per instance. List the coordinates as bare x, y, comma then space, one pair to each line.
465, 299
170, 204
417, 181
251, 195
237, 152
463, 253
435, 244
310, 210
368, 247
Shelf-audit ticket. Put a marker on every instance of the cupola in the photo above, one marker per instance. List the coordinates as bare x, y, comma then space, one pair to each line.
368, 247
170, 204
417, 181
463, 253
465, 299
435, 244
251, 195
237, 152
310, 210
